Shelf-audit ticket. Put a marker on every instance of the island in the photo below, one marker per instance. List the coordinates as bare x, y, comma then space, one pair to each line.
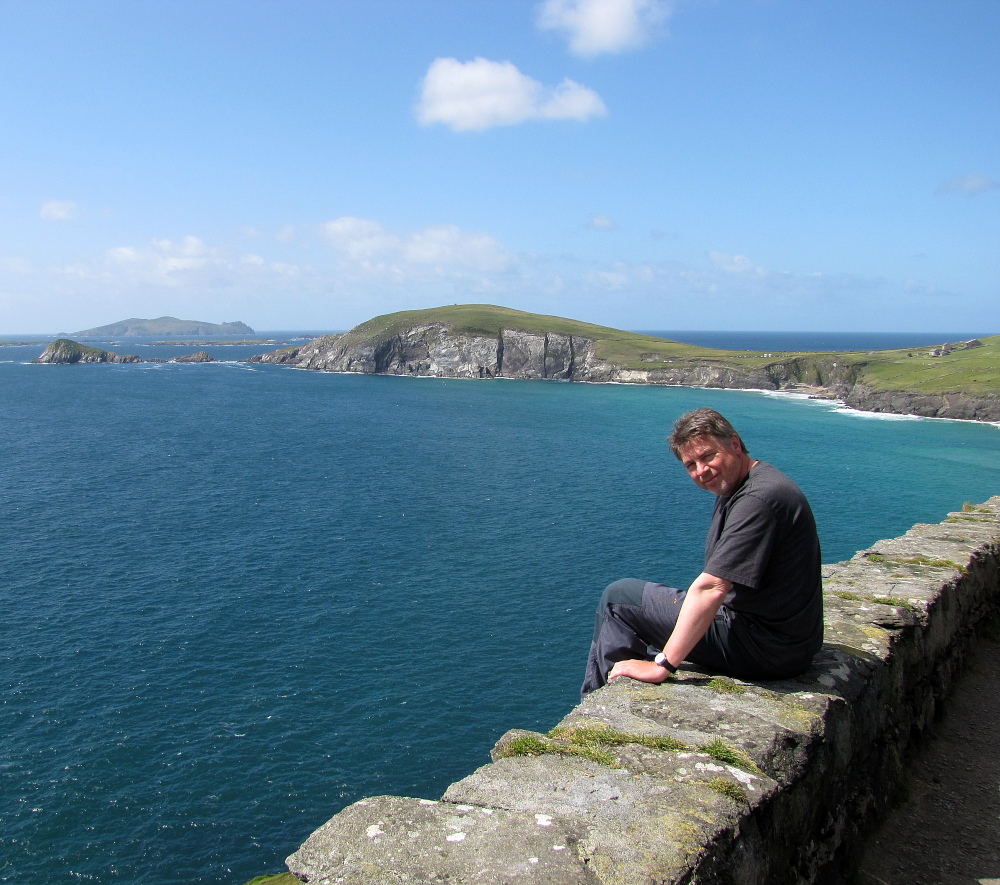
62, 351
953, 380
165, 327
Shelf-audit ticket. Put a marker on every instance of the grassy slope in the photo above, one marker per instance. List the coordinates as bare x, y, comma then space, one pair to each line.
975, 371
68, 347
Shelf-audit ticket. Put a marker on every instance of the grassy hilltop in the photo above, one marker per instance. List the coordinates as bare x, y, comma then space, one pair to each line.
975, 371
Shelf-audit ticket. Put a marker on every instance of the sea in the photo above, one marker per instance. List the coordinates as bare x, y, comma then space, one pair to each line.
236, 597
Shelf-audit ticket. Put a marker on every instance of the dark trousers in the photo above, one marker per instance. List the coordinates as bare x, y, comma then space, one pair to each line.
634, 620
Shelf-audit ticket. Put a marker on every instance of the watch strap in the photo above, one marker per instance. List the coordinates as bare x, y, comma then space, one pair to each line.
661, 659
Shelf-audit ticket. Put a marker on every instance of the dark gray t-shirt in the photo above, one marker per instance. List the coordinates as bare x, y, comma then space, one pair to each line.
763, 538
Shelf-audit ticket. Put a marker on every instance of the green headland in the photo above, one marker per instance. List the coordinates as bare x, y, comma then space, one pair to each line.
957, 368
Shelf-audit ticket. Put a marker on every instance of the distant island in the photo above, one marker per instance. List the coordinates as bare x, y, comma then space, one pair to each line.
952, 380
164, 327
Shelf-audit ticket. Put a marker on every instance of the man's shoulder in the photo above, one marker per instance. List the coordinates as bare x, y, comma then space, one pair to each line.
767, 484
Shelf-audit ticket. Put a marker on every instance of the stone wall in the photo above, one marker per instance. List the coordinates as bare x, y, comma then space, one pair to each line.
706, 779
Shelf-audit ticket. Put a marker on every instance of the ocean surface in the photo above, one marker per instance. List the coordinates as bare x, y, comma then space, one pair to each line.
236, 598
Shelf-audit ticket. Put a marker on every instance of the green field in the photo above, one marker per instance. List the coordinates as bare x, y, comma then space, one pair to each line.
973, 371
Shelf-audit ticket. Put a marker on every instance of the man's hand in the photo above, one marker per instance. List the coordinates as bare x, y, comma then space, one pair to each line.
644, 671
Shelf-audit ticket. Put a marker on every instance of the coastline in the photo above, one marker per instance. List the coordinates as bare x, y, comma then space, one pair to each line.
958, 381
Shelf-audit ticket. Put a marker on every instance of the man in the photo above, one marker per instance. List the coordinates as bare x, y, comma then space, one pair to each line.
756, 610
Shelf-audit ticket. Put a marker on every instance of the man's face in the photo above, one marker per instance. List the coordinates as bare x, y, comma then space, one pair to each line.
716, 465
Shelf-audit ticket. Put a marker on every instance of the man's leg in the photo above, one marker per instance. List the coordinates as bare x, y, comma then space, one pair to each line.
632, 616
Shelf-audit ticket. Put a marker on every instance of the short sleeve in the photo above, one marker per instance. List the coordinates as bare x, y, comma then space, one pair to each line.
745, 541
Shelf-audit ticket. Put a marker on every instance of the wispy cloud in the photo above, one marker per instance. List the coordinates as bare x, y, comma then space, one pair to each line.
971, 184
367, 248
480, 94
594, 27
601, 222
185, 264
738, 265
58, 210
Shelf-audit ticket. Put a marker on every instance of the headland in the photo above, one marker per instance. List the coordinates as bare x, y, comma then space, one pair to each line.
954, 380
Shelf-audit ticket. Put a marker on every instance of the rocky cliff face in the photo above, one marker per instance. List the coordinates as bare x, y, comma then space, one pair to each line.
65, 352
433, 349
945, 405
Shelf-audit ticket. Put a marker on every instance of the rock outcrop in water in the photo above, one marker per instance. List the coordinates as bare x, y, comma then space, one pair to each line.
65, 352
202, 356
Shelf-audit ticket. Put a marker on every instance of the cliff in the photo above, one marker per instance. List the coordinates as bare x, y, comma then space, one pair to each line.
64, 351
705, 779
482, 341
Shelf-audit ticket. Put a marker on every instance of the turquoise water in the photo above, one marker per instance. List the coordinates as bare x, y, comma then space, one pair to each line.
237, 598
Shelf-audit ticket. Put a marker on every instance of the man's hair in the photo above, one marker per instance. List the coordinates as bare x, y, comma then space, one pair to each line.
701, 422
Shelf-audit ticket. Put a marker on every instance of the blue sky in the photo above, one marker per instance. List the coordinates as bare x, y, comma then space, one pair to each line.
646, 164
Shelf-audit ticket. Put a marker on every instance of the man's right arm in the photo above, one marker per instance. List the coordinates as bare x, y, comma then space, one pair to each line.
701, 604
704, 597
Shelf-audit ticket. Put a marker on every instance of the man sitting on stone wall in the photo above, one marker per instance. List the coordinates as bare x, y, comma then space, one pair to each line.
756, 610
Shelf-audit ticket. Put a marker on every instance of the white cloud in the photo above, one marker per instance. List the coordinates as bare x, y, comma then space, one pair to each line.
598, 26
601, 222
369, 248
188, 265
479, 94
738, 265
58, 210
447, 245
974, 183
359, 238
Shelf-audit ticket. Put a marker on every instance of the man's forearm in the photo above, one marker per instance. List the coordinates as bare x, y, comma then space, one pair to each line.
703, 600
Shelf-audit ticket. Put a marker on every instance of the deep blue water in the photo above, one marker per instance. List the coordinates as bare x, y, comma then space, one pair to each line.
237, 598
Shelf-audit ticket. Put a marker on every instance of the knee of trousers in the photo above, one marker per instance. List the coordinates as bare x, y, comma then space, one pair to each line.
627, 591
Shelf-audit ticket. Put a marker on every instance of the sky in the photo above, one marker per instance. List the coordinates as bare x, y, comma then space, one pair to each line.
813, 165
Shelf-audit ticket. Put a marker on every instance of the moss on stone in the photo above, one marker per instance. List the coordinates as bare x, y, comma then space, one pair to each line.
606, 736
723, 752
537, 745
932, 563
896, 603
729, 790
916, 560
969, 507
725, 686
275, 879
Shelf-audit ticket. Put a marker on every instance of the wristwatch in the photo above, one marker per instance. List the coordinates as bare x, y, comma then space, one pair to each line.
661, 659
